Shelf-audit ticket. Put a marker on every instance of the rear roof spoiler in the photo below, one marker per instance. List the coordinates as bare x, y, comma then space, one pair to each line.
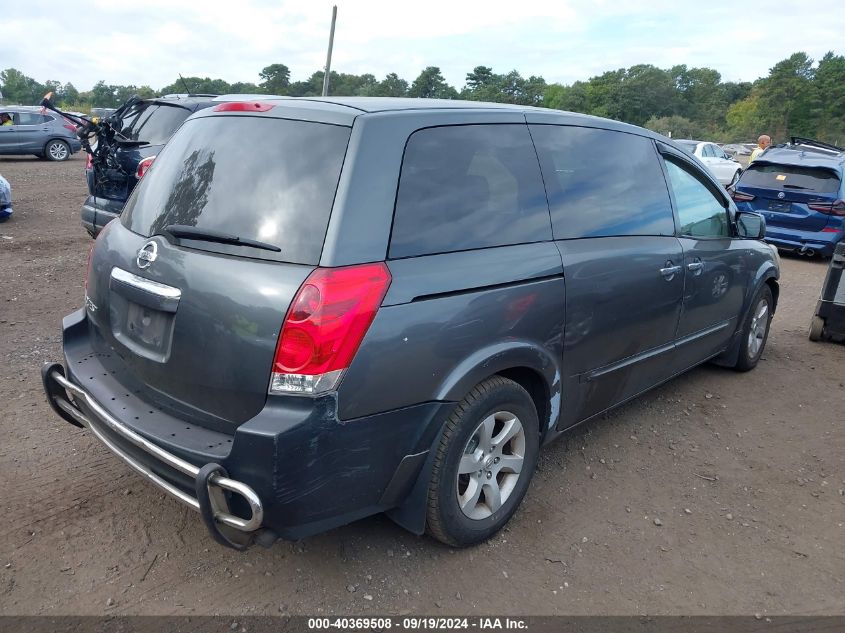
800, 140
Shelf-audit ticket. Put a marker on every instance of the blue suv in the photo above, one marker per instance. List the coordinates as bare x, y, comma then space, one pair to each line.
798, 188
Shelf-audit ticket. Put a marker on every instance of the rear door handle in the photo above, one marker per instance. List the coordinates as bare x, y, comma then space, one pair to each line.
695, 267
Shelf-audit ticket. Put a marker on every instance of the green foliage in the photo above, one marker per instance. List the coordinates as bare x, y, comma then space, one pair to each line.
743, 119
830, 107
674, 126
787, 97
196, 85
482, 84
431, 85
797, 97
18, 88
276, 79
391, 86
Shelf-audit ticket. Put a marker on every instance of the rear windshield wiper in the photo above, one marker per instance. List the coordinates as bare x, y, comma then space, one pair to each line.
183, 231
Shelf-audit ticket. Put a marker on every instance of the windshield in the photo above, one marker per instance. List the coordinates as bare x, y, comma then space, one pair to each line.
154, 124
257, 178
786, 177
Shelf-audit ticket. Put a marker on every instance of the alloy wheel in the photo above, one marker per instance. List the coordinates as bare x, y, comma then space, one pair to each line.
759, 325
58, 151
491, 464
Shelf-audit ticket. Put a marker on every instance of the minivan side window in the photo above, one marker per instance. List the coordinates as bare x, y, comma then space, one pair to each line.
700, 212
602, 183
468, 186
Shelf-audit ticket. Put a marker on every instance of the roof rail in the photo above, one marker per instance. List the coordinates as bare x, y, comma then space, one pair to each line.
800, 140
183, 95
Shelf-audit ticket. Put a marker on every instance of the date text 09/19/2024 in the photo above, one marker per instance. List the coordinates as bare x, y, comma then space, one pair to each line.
417, 623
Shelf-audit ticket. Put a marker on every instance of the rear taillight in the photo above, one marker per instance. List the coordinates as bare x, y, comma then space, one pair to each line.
830, 208
738, 196
324, 327
89, 162
70, 126
144, 166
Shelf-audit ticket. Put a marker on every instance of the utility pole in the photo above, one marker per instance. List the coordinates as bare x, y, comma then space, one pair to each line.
329, 55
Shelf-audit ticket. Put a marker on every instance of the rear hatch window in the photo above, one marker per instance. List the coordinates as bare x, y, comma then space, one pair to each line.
154, 124
257, 178
791, 178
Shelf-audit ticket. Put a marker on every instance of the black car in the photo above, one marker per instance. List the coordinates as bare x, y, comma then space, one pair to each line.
314, 310
141, 133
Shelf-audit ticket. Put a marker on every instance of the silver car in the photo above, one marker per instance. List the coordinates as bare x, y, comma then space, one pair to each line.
725, 168
47, 135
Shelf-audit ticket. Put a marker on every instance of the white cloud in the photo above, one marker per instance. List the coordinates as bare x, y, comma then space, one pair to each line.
152, 41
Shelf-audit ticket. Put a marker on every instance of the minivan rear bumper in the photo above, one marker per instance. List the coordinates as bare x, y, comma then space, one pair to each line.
292, 471
94, 417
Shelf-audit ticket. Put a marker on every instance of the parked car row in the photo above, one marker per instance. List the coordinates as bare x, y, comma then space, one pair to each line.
725, 169
314, 310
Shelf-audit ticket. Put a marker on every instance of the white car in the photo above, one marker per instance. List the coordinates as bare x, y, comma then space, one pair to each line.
723, 167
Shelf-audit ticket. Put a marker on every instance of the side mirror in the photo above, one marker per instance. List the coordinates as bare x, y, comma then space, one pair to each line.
750, 225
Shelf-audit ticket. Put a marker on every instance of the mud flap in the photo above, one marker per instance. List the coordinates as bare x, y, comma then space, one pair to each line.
411, 515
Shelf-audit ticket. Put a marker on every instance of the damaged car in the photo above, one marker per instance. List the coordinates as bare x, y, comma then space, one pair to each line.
138, 131
315, 310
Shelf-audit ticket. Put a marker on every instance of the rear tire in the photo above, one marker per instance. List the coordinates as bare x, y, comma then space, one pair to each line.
483, 463
57, 150
755, 330
816, 328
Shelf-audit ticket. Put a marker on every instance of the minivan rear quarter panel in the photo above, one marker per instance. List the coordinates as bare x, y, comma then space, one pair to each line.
359, 229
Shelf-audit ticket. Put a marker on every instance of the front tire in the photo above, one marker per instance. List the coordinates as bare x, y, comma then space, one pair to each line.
57, 150
483, 463
755, 330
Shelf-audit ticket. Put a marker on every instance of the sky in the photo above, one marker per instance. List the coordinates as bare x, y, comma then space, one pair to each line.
149, 42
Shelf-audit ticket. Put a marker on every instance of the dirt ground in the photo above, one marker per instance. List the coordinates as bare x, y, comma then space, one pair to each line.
719, 493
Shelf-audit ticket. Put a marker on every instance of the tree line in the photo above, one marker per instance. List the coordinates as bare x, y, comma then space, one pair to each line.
797, 97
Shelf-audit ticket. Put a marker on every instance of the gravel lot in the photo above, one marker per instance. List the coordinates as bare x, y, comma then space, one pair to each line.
719, 493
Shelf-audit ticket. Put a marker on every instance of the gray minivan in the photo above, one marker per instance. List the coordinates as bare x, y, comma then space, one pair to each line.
314, 310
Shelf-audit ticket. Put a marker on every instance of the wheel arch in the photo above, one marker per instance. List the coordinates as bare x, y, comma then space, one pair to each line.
528, 364
767, 276
774, 286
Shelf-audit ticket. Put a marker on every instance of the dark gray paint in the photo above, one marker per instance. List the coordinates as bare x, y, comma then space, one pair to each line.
618, 305
592, 319
423, 348
216, 367
359, 229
